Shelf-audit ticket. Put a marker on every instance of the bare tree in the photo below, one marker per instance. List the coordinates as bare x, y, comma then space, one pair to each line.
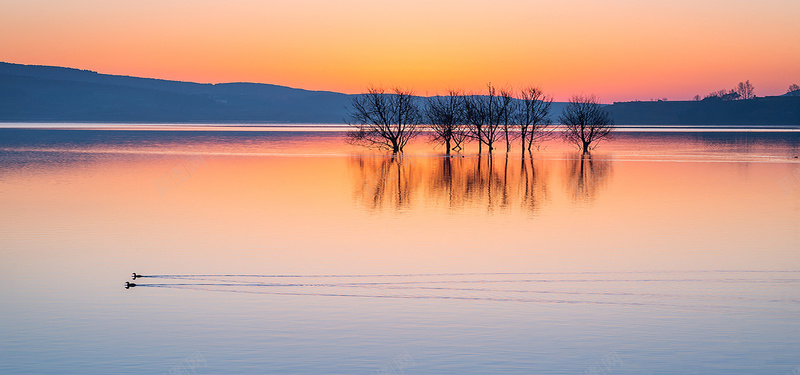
475, 119
745, 90
723, 95
585, 122
445, 114
742, 90
484, 115
507, 109
385, 121
532, 116
794, 90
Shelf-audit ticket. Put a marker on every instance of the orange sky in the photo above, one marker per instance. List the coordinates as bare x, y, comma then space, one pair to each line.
618, 49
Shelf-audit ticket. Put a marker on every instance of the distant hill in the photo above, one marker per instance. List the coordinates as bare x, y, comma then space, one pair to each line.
770, 110
792, 93
31, 93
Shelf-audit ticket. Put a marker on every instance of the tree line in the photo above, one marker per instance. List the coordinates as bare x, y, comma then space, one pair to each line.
389, 120
742, 91
794, 90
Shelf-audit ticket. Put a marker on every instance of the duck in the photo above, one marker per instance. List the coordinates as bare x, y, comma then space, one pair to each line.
129, 285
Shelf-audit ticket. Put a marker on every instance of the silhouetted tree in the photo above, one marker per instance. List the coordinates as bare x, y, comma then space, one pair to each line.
475, 119
731, 95
585, 122
386, 121
745, 90
532, 116
507, 109
794, 90
723, 95
445, 114
484, 114
716, 94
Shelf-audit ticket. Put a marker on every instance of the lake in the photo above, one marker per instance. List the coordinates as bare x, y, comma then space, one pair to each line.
274, 250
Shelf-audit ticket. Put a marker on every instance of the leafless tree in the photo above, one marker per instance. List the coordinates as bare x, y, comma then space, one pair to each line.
723, 95
585, 122
445, 114
794, 90
507, 113
745, 90
475, 119
484, 116
532, 116
385, 121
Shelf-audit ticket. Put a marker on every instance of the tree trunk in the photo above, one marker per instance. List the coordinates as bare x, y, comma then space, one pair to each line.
530, 143
508, 141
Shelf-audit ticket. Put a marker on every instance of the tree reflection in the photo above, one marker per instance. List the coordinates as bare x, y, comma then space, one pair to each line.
482, 182
533, 187
493, 183
385, 180
586, 176
445, 180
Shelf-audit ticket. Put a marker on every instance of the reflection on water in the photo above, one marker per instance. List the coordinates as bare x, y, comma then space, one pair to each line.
750, 290
292, 253
586, 176
500, 182
385, 181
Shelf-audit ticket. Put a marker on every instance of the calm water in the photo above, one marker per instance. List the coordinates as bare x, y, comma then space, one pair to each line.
286, 252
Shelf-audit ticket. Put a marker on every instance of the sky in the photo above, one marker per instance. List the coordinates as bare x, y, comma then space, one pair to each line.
619, 50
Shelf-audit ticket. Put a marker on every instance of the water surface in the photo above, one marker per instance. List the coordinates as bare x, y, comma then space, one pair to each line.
290, 252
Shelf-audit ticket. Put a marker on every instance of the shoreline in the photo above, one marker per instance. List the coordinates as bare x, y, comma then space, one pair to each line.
342, 128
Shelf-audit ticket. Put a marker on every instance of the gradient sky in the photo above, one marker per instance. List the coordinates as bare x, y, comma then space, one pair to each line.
618, 49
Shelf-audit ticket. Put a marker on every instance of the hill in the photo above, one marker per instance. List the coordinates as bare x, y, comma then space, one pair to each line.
43, 93
770, 110
32, 93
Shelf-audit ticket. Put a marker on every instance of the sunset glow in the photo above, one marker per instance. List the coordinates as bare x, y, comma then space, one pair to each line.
620, 50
